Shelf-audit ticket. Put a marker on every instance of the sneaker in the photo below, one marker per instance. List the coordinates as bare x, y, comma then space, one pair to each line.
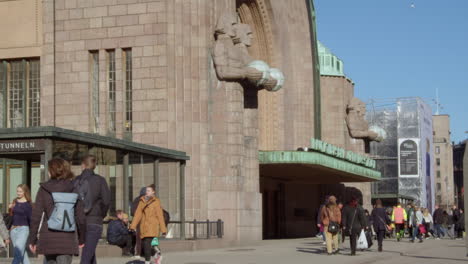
438, 238
324, 243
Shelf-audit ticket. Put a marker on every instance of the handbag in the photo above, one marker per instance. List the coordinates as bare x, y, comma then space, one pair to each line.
422, 229
333, 227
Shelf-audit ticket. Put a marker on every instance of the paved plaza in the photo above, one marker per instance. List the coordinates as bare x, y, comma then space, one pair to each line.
311, 250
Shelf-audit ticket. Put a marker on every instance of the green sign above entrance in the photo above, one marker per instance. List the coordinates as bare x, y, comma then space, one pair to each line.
332, 150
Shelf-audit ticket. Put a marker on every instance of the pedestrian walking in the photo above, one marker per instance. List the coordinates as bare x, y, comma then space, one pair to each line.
415, 222
95, 195
330, 217
342, 235
58, 245
447, 225
427, 221
4, 234
399, 217
353, 222
136, 201
461, 225
381, 223
320, 225
456, 213
150, 218
438, 217
20, 210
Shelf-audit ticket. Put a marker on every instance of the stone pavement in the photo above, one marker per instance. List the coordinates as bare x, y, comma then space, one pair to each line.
311, 250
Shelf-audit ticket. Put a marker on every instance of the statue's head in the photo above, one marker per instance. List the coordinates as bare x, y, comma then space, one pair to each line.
357, 106
226, 23
244, 34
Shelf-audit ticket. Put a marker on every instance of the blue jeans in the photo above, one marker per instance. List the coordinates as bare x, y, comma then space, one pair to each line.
19, 238
416, 234
438, 230
93, 234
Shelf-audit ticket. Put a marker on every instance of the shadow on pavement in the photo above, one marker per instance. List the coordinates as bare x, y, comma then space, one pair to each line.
426, 257
135, 262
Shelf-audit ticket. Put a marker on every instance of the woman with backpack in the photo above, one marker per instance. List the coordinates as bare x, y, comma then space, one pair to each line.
57, 244
330, 216
20, 210
150, 218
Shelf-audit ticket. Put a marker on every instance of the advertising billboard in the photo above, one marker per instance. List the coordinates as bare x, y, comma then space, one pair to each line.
408, 157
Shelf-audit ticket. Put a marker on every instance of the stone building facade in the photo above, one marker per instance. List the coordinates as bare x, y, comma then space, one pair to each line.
145, 71
443, 165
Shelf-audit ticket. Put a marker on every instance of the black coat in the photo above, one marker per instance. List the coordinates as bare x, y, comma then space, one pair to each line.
380, 219
116, 231
54, 242
359, 221
438, 216
100, 196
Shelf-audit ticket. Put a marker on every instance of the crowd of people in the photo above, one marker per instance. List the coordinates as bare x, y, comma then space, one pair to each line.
336, 221
68, 215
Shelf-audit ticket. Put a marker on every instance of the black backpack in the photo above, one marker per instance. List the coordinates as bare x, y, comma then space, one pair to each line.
81, 187
167, 217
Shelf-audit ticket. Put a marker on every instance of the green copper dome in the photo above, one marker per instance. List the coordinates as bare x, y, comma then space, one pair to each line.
329, 63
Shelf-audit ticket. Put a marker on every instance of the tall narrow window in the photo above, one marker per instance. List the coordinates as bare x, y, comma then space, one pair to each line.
16, 96
94, 72
34, 95
20, 98
111, 95
3, 94
127, 55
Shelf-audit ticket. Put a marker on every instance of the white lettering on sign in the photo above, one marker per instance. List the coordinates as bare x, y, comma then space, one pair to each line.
341, 153
17, 146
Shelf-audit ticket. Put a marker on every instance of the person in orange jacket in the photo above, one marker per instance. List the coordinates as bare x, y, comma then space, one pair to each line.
399, 218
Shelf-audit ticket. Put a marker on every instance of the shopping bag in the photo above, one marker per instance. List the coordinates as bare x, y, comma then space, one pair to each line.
362, 241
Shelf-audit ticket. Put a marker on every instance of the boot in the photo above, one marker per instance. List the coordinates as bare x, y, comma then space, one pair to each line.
380, 249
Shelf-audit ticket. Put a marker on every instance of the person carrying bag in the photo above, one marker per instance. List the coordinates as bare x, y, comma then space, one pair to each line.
330, 216
58, 222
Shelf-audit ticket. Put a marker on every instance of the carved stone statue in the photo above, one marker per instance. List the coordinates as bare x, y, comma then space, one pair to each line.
233, 61
357, 125
227, 58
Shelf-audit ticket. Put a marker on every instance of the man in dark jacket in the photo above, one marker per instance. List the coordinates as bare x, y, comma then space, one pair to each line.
98, 196
119, 235
353, 221
438, 217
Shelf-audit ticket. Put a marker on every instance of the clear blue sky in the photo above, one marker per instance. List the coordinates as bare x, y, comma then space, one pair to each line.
391, 49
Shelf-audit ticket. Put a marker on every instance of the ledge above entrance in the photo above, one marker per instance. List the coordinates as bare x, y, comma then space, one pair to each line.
312, 168
49, 132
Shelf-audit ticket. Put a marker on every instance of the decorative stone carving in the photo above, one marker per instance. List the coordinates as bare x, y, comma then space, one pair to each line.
232, 60
357, 125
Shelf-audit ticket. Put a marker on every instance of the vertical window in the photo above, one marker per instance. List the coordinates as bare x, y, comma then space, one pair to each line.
3, 93
437, 150
438, 161
34, 93
20, 87
16, 94
111, 94
438, 174
439, 186
127, 55
94, 72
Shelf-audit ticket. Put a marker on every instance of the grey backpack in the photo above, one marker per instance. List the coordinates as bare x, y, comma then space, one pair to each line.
63, 215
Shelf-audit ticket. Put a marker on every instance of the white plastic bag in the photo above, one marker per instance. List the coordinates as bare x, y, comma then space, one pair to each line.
362, 241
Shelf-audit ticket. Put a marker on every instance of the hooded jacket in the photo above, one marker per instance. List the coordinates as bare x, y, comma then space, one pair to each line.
54, 242
149, 216
99, 194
